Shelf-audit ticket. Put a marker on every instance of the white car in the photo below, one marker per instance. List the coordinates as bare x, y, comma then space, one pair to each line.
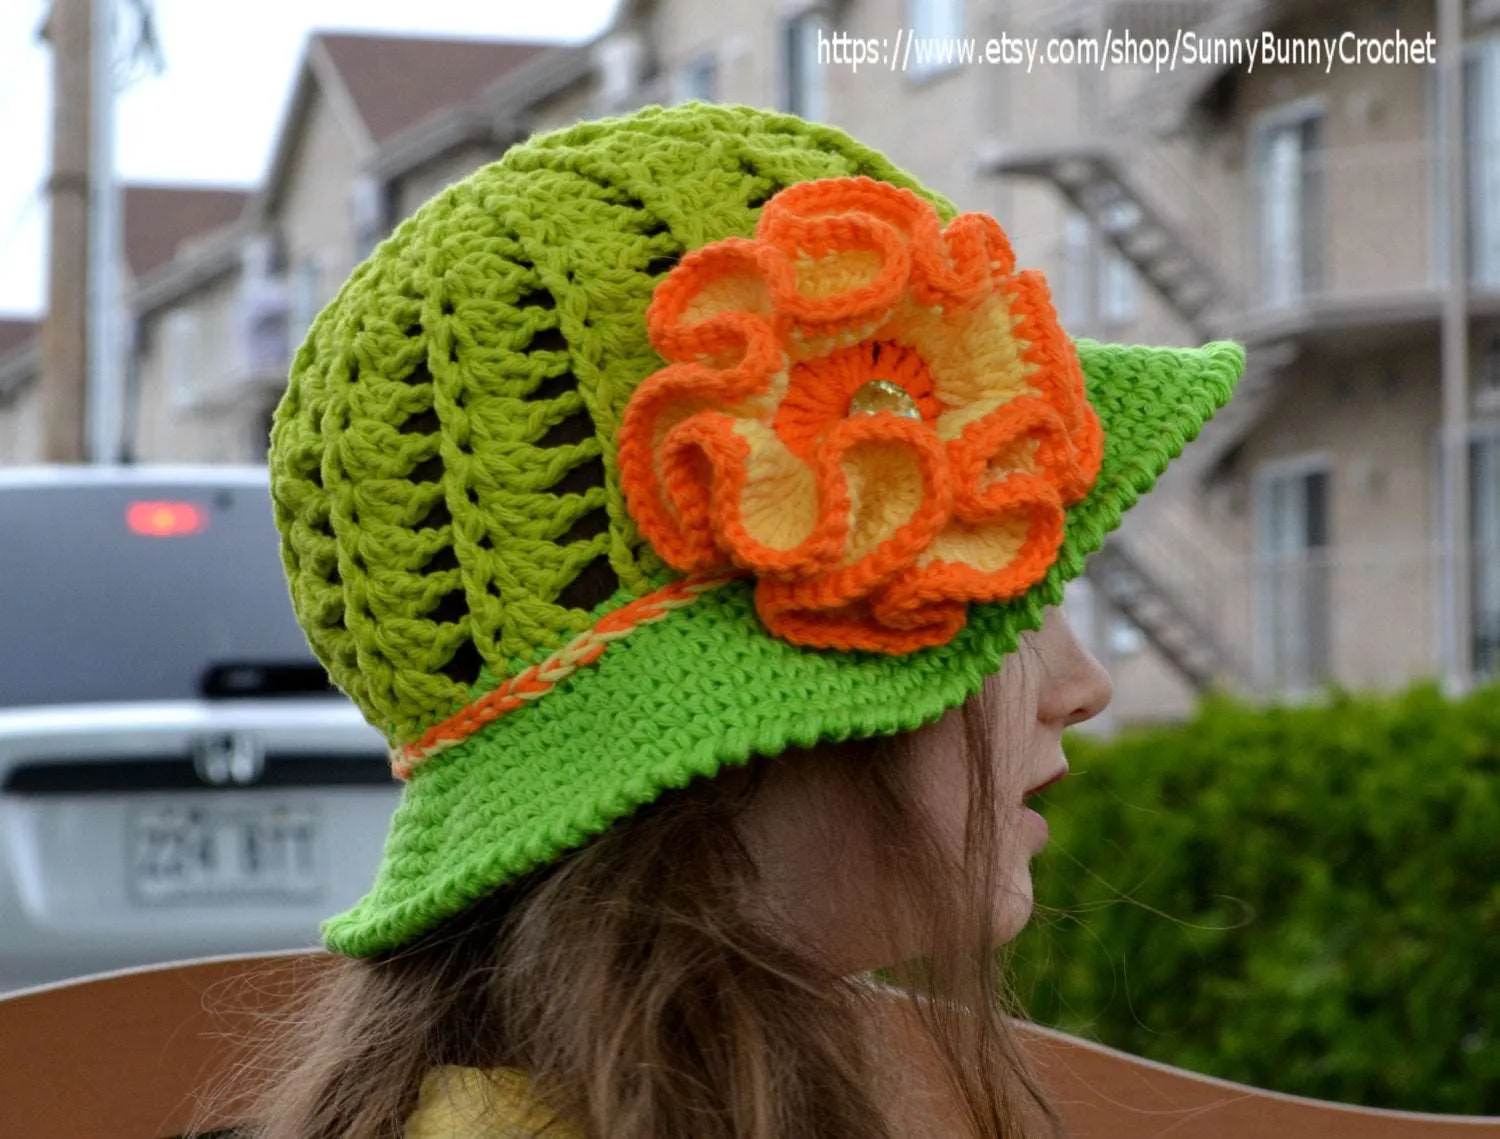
177, 776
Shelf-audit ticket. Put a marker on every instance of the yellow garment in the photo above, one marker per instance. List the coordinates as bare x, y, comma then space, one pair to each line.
467, 1103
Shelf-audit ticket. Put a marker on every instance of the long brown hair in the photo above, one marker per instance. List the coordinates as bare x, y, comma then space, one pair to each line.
629, 981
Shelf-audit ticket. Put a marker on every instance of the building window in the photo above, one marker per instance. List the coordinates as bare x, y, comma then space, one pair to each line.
806, 90
1115, 294
264, 349
934, 26
620, 63
1071, 295
1124, 637
1288, 202
1119, 302
1119, 299
306, 296
1482, 144
698, 79
261, 312
368, 200
1292, 571
260, 432
1487, 374
1484, 506
182, 354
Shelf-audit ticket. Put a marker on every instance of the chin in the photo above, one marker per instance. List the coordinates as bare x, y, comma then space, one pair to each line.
1014, 909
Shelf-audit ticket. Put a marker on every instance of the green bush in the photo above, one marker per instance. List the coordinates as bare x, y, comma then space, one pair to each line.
1305, 899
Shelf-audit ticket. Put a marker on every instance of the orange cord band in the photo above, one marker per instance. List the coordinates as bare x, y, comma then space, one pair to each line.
539, 679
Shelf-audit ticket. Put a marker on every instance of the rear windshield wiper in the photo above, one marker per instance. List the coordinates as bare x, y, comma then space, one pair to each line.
237, 680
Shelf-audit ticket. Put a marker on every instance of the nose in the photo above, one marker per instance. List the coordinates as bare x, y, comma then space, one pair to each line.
1096, 690
1076, 686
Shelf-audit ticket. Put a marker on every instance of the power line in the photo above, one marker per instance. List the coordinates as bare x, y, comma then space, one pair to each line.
145, 58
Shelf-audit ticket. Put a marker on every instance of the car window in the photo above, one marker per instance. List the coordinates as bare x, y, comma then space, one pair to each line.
143, 592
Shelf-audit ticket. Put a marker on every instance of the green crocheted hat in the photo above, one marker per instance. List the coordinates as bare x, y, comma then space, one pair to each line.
674, 439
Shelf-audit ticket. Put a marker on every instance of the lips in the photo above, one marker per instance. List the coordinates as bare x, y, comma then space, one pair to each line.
1038, 825
1056, 777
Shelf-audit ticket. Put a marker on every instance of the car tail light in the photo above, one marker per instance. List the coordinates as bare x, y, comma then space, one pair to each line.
165, 519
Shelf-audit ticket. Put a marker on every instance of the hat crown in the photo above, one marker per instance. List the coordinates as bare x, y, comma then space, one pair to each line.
443, 462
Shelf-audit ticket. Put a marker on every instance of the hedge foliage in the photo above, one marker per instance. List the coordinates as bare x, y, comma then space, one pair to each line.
1305, 899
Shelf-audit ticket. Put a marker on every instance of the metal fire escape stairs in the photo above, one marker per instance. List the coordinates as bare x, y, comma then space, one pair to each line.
1137, 577
1138, 593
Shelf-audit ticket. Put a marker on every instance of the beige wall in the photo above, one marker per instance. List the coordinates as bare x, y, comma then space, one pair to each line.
932, 125
214, 417
929, 126
314, 209
564, 107
417, 186
1047, 106
21, 426
1146, 687
1365, 400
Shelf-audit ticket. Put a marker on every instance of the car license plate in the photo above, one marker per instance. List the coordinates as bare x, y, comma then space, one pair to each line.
193, 853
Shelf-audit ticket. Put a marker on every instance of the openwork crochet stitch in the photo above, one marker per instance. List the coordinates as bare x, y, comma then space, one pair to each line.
447, 479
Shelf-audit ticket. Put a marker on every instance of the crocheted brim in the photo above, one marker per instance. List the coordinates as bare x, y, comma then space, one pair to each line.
707, 686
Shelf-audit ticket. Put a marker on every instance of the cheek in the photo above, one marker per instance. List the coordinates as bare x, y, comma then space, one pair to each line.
947, 807
940, 782
1016, 736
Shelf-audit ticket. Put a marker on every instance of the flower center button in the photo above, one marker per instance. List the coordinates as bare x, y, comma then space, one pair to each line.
884, 397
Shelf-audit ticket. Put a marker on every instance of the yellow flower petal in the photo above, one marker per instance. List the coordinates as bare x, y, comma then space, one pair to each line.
885, 491
985, 546
838, 272
732, 292
779, 507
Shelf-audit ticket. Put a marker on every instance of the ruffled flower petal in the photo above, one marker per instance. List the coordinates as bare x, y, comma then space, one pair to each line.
748, 501
700, 309
895, 477
1058, 376
1023, 444
859, 627
994, 560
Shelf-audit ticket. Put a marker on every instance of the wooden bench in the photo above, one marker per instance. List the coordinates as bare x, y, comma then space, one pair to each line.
127, 1055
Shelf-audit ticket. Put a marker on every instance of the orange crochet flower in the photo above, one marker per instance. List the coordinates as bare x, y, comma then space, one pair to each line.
873, 414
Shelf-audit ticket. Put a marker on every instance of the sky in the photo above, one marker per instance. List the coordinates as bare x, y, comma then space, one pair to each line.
211, 117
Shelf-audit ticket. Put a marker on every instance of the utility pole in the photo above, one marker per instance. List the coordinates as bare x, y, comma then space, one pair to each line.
1456, 582
105, 372
65, 336
81, 365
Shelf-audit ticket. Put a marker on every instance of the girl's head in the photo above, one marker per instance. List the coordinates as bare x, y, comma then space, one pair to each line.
703, 967
688, 498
